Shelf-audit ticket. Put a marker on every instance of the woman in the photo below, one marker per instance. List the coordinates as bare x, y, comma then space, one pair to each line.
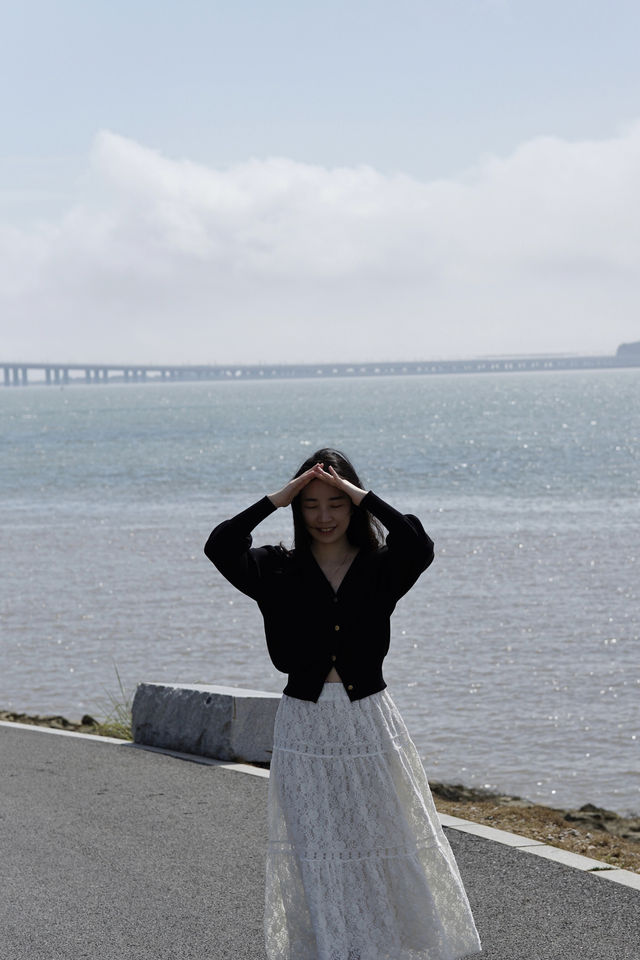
358, 867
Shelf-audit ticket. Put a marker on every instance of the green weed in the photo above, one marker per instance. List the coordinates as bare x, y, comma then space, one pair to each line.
117, 713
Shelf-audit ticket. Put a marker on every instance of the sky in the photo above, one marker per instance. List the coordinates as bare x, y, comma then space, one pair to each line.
207, 182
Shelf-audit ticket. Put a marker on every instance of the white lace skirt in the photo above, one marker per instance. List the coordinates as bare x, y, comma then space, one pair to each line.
358, 867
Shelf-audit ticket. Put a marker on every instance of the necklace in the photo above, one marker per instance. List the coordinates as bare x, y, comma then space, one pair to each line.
332, 570
340, 565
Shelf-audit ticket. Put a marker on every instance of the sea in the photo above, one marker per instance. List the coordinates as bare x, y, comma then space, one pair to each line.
515, 659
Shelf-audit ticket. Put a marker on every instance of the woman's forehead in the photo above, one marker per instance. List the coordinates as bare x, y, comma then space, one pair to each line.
320, 490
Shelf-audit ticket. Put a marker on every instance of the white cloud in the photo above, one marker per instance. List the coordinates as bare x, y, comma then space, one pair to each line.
160, 259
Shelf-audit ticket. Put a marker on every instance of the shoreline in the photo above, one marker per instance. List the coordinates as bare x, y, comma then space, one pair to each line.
87, 724
588, 830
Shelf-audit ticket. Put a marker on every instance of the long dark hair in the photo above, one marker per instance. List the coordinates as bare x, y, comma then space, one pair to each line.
363, 531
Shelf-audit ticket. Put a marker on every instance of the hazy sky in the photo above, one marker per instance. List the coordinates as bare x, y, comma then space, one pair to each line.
198, 181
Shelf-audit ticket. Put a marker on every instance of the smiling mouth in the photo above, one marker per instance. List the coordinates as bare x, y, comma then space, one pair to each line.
325, 529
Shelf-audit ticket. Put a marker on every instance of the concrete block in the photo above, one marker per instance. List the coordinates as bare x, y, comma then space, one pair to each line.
226, 723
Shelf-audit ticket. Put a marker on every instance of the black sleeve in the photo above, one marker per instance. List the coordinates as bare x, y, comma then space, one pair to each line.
409, 548
229, 548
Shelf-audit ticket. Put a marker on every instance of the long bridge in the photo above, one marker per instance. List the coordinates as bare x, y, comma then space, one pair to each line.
62, 374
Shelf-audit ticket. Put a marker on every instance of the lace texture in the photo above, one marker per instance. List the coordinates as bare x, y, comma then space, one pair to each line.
358, 867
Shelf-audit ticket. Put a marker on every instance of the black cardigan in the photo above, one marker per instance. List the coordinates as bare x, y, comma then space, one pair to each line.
310, 627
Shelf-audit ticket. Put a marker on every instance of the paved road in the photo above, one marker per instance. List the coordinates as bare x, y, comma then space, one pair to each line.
113, 852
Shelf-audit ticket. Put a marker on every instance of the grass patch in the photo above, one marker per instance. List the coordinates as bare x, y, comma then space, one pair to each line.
117, 713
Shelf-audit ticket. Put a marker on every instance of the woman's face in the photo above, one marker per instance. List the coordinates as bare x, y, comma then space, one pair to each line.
326, 511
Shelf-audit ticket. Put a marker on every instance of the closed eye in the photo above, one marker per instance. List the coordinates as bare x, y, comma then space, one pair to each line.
338, 502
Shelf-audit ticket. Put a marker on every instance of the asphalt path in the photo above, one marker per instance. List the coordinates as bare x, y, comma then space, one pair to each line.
114, 852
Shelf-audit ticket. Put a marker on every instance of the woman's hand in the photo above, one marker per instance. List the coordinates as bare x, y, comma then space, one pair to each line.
346, 486
284, 497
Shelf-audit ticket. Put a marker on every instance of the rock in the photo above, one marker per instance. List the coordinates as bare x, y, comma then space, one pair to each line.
86, 725
61, 723
628, 828
456, 792
594, 816
630, 832
225, 723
